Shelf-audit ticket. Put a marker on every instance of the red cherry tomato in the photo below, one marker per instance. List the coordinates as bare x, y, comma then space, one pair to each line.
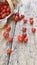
33, 30
10, 39
8, 9
5, 7
21, 17
15, 18
31, 22
20, 38
25, 20
8, 28
25, 35
9, 51
7, 13
3, 11
3, 15
24, 29
25, 40
6, 34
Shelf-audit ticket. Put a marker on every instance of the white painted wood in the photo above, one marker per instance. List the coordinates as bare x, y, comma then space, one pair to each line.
26, 54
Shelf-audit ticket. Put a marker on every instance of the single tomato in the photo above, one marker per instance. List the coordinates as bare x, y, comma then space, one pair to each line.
6, 34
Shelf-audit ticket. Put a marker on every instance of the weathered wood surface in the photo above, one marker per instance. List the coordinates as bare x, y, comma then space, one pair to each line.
5, 45
23, 54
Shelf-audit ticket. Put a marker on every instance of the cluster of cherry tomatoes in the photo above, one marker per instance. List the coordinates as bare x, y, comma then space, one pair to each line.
4, 10
32, 22
21, 38
6, 36
17, 17
6, 33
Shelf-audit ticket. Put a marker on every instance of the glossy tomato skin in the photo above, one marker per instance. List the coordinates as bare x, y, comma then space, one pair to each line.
8, 9
24, 29
15, 18
8, 28
9, 51
6, 34
20, 38
33, 30
25, 20
25, 40
3, 15
31, 22
10, 39
5, 7
4, 10
21, 17
7, 13
25, 35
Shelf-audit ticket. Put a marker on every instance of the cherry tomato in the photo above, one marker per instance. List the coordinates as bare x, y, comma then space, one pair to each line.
15, 18
8, 9
6, 34
24, 29
10, 39
25, 35
33, 30
21, 17
7, 13
20, 38
3, 11
25, 40
25, 20
31, 22
5, 7
8, 28
9, 51
3, 15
